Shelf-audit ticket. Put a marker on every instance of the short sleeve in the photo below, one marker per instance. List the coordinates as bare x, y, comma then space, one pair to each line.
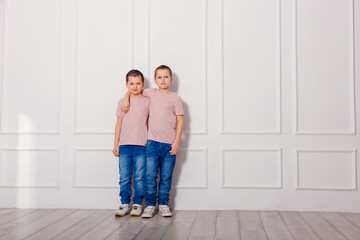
178, 107
149, 92
119, 113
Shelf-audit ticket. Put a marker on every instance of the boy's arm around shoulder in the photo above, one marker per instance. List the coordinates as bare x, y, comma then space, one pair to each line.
125, 106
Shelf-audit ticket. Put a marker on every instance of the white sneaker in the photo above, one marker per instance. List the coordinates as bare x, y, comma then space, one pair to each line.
136, 210
165, 211
123, 210
149, 211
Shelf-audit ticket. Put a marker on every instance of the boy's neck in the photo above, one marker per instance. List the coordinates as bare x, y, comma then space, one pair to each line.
138, 95
164, 90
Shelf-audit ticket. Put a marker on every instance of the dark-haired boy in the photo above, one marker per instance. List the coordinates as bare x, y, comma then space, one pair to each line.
130, 145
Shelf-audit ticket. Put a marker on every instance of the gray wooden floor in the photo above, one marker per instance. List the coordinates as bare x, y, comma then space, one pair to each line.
70, 224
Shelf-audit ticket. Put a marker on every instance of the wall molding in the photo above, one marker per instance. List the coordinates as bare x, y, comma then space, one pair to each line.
59, 79
205, 162
278, 131
76, 131
317, 188
253, 186
56, 150
74, 185
296, 77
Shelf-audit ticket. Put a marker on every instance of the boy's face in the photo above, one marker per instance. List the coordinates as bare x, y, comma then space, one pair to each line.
163, 79
135, 85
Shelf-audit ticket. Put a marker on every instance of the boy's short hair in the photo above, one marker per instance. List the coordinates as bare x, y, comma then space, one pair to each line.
134, 73
163, 67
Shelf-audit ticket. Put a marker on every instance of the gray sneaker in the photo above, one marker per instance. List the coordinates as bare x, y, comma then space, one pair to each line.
123, 210
165, 211
136, 210
149, 211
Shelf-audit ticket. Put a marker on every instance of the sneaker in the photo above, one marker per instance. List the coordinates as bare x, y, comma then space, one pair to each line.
123, 210
149, 211
165, 211
136, 210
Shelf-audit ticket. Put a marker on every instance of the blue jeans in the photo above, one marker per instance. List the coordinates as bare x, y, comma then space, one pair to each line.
158, 157
132, 157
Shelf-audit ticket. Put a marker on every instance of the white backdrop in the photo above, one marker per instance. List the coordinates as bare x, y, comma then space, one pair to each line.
270, 90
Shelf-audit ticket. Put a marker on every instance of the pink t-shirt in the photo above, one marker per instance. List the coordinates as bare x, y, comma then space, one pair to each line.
164, 108
134, 122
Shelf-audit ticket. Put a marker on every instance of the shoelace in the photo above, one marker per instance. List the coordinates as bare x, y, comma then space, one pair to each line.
148, 209
164, 209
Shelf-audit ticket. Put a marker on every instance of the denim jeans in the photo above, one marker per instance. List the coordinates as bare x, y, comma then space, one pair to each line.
132, 157
158, 157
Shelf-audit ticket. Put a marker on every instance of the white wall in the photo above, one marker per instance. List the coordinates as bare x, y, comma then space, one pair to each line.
270, 89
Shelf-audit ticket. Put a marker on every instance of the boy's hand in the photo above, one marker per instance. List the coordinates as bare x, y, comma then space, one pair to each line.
116, 151
175, 148
125, 105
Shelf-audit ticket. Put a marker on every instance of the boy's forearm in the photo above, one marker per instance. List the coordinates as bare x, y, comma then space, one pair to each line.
117, 136
126, 102
179, 129
127, 95
117, 139
117, 131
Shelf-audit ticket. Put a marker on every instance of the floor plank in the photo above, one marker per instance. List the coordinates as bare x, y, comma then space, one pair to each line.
84, 226
180, 227
20, 222
253, 235
129, 229
61, 225
251, 227
321, 226
154, 227
104, 229
204, 225
5, 211
350, 231
274, 226
34, 226
353, 217
227, 225
11, 215
298, 226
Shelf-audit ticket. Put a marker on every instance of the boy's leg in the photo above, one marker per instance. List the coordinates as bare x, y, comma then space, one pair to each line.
125, 169
167, 165
152, 165
139, 159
